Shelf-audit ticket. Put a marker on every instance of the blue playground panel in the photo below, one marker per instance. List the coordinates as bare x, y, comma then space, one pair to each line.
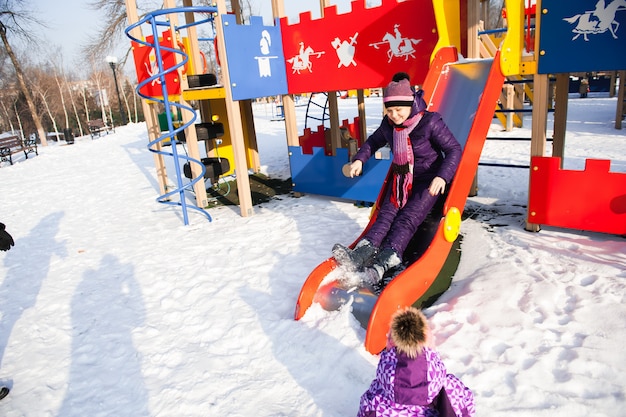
255, 58
321, 174
582, 36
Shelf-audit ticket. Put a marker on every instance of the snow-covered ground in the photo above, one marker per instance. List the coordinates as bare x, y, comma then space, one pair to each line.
110, 306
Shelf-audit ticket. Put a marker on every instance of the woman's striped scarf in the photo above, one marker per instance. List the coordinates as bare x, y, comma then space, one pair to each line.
402, 164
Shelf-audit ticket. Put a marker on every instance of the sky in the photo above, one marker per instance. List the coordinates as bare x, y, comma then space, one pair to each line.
110, 306
71, 23
295, 7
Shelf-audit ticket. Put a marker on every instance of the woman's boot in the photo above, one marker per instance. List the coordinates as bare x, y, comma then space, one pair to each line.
354, 259
384, 261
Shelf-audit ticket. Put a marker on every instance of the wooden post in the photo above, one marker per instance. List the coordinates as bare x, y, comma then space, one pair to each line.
560, 115
234, 122
612, 83
246, 109
192, 37
540, 115
362, 121
333, 112
190, 133
289, 107
154, 131
473, 25
291, 124
509, 104
250, 134
541, 84
149, 111
333, 107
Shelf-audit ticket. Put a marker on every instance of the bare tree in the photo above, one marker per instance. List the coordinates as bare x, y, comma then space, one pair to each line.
8, 116
44, 94
135, 100
19, 119
74, 108
129, 115
11, 15
247, 10
97, 77
59, 81
112, 31
83, 94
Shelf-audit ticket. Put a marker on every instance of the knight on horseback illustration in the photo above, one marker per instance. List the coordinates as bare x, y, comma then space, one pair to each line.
597, 21
302, 61
398, 45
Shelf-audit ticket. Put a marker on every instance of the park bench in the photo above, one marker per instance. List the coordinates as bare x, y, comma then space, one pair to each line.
10, 145
97, 126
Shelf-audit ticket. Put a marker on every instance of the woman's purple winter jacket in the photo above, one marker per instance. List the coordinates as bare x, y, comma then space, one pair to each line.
436, 154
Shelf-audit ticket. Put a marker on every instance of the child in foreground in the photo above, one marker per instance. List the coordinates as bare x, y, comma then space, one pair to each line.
411, 379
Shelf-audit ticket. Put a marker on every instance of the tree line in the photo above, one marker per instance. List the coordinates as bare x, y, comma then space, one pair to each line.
43, 98
61, 100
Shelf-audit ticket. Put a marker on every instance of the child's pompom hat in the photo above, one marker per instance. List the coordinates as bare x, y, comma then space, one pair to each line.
409, 331
398, 93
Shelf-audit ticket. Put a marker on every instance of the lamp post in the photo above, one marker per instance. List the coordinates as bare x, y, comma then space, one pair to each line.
113, 63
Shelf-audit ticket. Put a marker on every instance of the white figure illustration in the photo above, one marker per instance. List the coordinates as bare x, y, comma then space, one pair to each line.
265, 69
345, 51
266, 42
152, 69
302, 61
597, 21
398, 46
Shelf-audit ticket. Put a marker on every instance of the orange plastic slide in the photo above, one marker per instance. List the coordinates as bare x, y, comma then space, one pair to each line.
465, 92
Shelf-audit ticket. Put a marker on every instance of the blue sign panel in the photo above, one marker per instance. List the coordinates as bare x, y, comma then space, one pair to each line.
321, 174
582, 36
256, 63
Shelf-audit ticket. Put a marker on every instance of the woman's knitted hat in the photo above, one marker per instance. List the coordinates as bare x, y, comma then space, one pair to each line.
398, 93
409, 331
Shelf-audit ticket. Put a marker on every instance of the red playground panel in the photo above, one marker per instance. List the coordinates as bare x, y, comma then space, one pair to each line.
359, 49
593, 199
146, 65
319, 138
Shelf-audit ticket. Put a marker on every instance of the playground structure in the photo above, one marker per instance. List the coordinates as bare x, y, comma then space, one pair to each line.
412, 285
298, 60
557, 50
518, 87
170, 73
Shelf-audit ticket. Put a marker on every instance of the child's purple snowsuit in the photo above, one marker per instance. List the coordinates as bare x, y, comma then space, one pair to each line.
419, 387
437, 154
